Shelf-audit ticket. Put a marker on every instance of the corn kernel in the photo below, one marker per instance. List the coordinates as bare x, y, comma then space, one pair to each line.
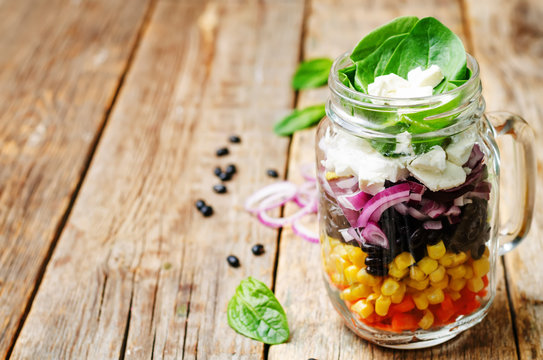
376, 289
457, 284
420, 300
333, 242
347, 294
404, 260
389, 287
419, 285
382, 304
341, 263
455, 295
427, 320
459, 258
331, 175
457, 272
416, 273
338, 279
363, 308
360, 290
481, 267
487, 252
394, 271
435, 295
441, 284
427, 265
447, 260
356, 256
469, 272
475, 284
341, 251
397, 297
366, 278
436, 251
372, 297
350, 274
438, 274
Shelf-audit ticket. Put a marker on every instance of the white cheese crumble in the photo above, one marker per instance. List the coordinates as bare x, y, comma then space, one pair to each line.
434, 171
348, 155
403, 143
419, 83
460, 147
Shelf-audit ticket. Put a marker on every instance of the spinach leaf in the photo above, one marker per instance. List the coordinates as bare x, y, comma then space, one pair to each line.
312, 73
374, 39
255, 312
373, 64
429, 43
346, 76
299, 119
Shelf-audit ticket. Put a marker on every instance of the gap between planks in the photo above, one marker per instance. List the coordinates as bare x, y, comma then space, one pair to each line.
88, 159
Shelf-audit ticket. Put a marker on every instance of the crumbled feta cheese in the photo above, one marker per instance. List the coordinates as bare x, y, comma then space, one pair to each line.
403, 143
419, 83
347, 155
460, 147
452, 176
434, 160
429, 77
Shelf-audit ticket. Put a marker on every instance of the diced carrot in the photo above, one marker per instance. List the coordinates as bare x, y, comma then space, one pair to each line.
467, 295
444, 315
447, 303
406, 305
403, 321
482, 293
485, 280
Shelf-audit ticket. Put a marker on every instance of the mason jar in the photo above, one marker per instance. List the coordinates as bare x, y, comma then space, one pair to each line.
408, 209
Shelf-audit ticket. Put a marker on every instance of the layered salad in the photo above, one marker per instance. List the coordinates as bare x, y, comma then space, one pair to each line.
405, 222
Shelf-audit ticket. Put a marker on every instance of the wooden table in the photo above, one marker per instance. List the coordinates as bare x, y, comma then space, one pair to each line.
111, 112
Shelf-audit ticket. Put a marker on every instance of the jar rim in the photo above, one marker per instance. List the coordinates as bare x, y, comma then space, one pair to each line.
360, 98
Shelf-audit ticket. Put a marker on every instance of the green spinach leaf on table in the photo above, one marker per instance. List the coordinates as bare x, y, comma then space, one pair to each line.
300, 119
312, 73
255, 312
374, 39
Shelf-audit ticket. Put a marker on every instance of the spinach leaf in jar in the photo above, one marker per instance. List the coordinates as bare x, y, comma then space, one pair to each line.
255, 312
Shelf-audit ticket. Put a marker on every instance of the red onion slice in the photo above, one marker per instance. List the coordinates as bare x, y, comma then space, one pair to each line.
381, 201
274, 195
432, 225
280, 222
348, 183
304, 232
354, 201
373, 234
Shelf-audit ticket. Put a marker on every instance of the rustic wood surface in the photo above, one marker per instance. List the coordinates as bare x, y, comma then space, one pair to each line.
110, 117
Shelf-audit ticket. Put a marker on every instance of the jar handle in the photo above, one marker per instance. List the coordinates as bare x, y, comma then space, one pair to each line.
512, 232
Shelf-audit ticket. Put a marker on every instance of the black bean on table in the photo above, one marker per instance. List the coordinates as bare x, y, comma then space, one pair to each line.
230, 169
222, 151
219, 188
199, 204
206, 210
272, 173
233, 261
258, 249
235, 139
217, 171
225, 176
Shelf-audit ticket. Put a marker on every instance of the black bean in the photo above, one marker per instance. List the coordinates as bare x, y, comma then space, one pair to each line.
200, 204
206, 210
372, 249
233, 261
234, 139
231, 169
217, 171
272, 173
219, 188
374, 261
479, 251
258, 249
222, 151
377, 270
225, 176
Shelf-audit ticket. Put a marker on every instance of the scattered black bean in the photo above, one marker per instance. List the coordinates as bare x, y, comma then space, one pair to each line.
258, 249
225, 176
311, 359
219, 188
222, 151
233, 261
200, 204
377, 270
272, 173
206, 210
217, 171
231, 169
234, 139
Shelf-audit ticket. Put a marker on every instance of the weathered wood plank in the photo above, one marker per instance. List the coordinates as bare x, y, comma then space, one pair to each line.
136, 257
61, 63
508, 42
317, 330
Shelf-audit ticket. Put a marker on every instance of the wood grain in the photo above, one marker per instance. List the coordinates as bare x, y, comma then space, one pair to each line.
138, 272
60, 65
317, 331
508, 43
